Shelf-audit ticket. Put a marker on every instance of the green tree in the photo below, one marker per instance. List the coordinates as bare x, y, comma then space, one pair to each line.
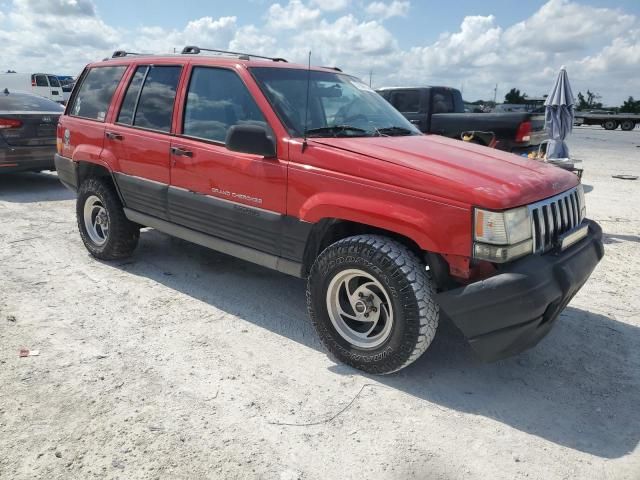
588, 103
514, 97
630, 106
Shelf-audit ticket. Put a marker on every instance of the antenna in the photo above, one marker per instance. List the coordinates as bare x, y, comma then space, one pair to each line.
306, 107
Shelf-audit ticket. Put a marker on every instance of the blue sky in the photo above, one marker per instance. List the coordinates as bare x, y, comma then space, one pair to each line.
427, 19
470, 43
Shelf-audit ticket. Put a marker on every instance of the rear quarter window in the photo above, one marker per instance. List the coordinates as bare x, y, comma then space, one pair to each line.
95, 92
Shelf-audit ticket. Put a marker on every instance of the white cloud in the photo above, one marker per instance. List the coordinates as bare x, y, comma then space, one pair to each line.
600, 46
562, 26
331, 5
292, 16
387, 10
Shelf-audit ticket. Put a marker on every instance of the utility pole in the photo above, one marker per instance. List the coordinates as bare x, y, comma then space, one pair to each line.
370, 77
495, 94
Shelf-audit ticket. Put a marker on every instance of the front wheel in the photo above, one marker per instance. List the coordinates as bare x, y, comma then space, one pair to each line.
372, 303
105, 230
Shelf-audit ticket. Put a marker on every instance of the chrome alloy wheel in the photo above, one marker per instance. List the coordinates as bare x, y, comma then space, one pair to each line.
359, 308
96, 220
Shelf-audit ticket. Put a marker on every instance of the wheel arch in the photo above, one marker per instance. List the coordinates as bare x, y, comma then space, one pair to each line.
95, 168
330, 230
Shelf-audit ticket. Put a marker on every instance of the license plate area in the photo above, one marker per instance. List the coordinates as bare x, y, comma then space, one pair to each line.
573, 237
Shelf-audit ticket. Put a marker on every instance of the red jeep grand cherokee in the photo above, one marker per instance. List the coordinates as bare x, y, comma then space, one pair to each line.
310, 172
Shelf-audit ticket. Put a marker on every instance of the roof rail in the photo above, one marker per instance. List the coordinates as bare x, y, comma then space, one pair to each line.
122, 53
193, 50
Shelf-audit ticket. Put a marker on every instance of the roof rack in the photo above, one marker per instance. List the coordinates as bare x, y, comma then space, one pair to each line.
122, 53
193, 50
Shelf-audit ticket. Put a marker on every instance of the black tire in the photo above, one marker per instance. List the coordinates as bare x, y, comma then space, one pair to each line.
627, 125
610, 124
122, 237
409, 289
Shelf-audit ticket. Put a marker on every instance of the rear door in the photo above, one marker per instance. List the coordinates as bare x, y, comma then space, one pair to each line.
140, 138
235, 196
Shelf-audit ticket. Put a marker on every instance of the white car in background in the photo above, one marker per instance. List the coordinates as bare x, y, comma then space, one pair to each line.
43, 84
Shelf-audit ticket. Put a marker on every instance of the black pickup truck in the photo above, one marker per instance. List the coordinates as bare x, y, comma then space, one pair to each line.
440, 110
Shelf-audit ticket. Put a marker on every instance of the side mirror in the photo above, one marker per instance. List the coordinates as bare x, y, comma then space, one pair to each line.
250, 139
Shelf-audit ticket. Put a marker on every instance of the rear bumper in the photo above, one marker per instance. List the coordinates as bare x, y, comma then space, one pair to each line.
513, 310
22, 159
67, 171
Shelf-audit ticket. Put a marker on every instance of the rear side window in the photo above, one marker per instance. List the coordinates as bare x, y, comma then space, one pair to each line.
95, 93
443, 102
150, 96
41, 81
217, 100
406, 101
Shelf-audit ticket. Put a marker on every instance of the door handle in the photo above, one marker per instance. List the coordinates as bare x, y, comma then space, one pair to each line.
415, 122
181, 152
113, 136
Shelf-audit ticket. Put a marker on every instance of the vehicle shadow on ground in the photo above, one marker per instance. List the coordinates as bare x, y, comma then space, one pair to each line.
608, 238
578, 388
32, 187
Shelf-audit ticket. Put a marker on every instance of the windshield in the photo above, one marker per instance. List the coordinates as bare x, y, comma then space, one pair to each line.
339, 105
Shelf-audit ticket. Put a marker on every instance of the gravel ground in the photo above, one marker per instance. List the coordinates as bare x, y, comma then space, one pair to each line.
184, 363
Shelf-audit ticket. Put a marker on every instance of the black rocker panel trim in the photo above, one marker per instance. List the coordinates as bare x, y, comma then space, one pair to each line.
143, 195
230, 248
260, 229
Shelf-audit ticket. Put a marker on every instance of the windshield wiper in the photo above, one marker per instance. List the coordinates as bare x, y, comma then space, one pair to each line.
394, 130
335, 130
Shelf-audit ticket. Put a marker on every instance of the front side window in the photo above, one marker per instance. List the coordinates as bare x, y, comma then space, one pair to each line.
41, 81
217, 99
339, 105
150, 96
95, 93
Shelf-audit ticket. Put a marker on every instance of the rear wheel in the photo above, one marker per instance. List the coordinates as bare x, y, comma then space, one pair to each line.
104, 229
610, 124
372, 303
627, 125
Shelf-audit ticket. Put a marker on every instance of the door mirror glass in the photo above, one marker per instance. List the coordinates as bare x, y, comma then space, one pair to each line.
253, 139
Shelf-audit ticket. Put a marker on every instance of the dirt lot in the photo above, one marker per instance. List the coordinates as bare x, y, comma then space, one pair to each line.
185, 363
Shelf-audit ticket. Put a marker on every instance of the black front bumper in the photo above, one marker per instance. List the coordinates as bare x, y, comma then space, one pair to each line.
512, 311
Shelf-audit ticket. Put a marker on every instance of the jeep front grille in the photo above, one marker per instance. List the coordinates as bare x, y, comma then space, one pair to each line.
554, 216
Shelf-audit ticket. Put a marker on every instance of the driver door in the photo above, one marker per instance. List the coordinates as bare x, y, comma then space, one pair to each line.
234, 196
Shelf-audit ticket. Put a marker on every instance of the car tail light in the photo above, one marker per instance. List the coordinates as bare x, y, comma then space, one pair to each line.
524, 132
10, 123
59, 135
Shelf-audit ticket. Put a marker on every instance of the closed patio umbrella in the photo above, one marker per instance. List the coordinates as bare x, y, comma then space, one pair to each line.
559, 116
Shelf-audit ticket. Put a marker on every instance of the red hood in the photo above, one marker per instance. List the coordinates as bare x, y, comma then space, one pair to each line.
466, 172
